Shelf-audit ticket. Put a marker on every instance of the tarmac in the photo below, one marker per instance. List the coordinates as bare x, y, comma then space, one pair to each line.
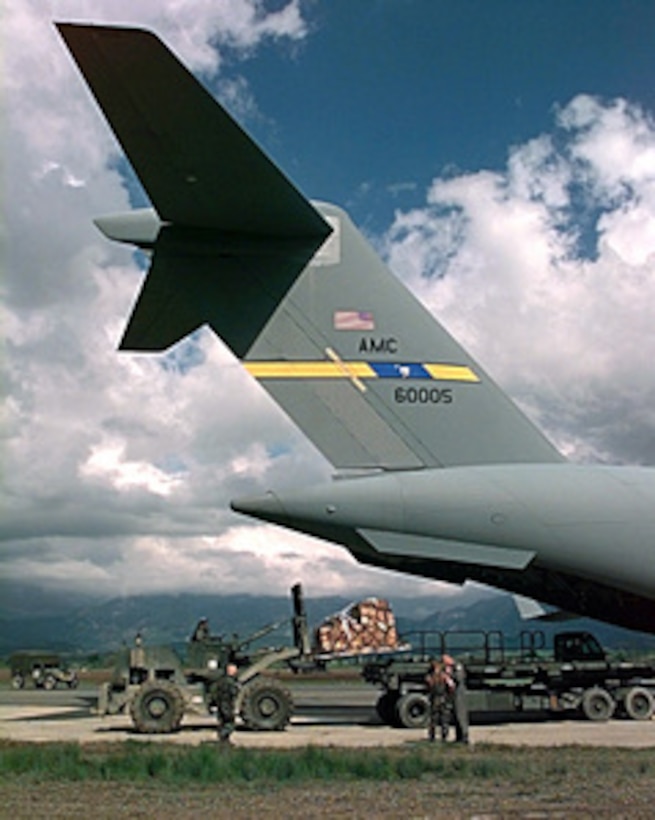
42, 724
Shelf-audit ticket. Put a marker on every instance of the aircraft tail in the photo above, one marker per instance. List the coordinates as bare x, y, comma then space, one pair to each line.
291, 286
224, 208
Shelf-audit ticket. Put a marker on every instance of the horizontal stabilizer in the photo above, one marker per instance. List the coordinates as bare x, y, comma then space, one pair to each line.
196, 278
185, 149
232, 233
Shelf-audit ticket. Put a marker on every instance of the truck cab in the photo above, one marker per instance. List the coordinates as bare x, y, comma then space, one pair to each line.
577, 646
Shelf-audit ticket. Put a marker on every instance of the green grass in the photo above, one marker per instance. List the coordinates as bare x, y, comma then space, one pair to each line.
210, 764
136, 761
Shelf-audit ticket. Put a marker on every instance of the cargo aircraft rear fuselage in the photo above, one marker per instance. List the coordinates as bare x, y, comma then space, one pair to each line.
440, 474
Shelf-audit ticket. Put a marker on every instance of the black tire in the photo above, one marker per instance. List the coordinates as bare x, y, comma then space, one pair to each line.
18, 681
157, 708
266, 706
74, 682
597, 704
639, 703
49, 682
413, 711
386, 708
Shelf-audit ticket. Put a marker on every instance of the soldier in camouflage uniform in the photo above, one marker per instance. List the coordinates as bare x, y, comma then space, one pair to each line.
440, 686
201, 632
457, 696
225, 693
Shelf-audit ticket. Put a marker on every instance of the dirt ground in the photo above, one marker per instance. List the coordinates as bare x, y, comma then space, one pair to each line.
404, 799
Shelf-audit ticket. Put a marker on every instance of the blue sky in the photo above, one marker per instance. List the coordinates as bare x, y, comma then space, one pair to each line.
500, 156
386, 93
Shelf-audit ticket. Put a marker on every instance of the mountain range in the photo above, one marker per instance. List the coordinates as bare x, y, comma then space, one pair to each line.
31, 617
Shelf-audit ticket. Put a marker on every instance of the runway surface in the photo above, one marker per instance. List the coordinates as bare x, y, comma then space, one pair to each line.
339, 715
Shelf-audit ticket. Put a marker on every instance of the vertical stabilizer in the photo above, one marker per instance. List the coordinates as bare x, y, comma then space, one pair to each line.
291, 286
370, 376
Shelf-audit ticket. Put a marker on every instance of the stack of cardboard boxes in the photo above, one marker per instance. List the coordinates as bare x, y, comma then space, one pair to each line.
367, 626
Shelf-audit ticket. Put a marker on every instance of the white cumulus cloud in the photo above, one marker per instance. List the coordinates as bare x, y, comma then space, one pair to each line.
546, 272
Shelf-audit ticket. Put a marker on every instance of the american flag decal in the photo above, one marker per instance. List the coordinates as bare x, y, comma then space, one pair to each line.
354, 320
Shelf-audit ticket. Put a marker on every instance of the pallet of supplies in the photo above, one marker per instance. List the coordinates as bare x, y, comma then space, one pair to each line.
366, 626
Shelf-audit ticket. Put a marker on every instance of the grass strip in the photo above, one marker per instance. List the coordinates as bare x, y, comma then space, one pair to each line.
209, 764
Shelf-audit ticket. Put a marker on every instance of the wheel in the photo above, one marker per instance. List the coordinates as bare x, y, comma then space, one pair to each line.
413, 711
74, 682
386, 707
157, 708
266, 706
49, 682
597, 704
18, 681
639, 703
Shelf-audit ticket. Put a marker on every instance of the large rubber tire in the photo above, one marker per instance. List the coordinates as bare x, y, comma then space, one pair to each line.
157, 708
639, 703
266, 706
413, 711
18, 681
386, 708
597, 704
50, 682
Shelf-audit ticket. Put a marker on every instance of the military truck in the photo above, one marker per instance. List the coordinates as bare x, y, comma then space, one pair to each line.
41, 669
573, 675
157, 686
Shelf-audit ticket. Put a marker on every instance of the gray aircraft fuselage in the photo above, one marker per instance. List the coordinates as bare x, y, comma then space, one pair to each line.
580, 537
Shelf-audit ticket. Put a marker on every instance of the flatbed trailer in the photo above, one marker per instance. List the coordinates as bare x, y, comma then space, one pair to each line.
573, 675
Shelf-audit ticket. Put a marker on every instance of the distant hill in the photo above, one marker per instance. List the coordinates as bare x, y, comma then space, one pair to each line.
32, 618
20, 599
102, 626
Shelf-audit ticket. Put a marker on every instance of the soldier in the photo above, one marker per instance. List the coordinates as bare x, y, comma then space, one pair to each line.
440, 685
225, 693
137, 660
458, 698
201, 632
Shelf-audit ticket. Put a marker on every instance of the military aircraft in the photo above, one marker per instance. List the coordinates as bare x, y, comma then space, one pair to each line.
438, 473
